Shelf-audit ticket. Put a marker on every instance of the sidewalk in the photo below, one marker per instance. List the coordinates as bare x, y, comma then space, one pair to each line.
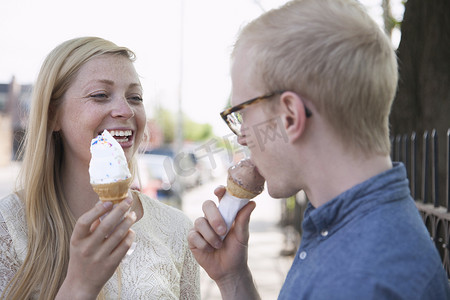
266, 241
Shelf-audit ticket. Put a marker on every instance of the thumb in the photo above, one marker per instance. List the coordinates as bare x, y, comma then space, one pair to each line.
220, 191
241, 225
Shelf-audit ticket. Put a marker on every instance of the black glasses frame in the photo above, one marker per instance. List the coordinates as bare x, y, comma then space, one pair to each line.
224, 114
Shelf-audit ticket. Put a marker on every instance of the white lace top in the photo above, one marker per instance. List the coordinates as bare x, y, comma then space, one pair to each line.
161, 267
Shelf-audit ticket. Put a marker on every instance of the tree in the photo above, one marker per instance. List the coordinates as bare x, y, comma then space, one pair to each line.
388, 19
193, 131
423, 97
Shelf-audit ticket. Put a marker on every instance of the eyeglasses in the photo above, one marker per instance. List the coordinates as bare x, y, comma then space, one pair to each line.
233, 116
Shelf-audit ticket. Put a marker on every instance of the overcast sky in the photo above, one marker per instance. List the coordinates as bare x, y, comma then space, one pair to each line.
152, 29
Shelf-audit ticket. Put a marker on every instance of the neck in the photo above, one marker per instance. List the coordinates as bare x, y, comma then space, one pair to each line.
77, 189
333, 168
343, 175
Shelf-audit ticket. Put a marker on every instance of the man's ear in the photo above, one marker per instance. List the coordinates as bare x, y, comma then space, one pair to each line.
293, 115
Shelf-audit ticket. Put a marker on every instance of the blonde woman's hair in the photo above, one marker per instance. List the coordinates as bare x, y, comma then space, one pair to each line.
49, 220
332, 53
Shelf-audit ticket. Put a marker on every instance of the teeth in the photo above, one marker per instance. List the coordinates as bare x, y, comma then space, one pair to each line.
117, 133
122, 140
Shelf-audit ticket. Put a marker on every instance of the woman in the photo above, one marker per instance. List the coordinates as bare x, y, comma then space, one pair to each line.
51, 240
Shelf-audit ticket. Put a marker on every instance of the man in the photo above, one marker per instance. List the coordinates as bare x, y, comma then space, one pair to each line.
324, 76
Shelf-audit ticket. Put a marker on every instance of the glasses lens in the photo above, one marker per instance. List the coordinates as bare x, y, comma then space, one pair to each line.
235, 122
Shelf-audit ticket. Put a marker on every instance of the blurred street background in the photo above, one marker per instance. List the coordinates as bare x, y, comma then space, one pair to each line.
182, 50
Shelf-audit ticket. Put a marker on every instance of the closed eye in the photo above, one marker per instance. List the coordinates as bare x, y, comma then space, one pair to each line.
99, 96
136, 98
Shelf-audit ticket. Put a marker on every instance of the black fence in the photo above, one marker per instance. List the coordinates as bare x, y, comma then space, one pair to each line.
428, 165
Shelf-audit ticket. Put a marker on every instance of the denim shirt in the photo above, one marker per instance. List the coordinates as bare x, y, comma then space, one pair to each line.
367, 243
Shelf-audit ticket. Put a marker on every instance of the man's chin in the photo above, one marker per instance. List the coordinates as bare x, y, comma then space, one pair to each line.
277, 192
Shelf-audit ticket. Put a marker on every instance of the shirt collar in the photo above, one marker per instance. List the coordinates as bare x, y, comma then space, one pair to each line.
387, 186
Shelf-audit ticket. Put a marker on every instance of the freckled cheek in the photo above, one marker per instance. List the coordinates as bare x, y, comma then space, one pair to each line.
81, 112
70, 118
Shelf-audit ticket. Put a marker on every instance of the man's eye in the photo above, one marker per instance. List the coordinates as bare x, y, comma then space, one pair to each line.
136, 98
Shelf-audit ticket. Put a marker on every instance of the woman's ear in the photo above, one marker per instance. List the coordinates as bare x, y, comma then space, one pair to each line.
293, 115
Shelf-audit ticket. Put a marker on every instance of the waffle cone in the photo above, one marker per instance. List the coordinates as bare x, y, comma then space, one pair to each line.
113, 192
238, 191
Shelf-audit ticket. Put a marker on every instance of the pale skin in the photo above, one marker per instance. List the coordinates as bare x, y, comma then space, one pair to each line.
105, 94
313, 158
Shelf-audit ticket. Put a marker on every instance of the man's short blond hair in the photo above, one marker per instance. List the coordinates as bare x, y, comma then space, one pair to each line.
332, 53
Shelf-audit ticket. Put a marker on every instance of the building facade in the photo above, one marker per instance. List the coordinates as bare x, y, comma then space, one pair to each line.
15, 100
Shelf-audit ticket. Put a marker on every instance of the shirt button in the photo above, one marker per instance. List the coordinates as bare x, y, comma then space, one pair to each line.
302, 255
324, 232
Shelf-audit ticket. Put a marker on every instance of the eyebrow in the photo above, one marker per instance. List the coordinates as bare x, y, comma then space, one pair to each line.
110, 82
106, 81
135, 85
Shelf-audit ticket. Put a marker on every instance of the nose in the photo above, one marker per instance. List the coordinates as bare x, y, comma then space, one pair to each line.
122, 109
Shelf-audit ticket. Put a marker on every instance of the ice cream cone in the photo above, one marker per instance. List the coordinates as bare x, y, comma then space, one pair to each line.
113, 192
243, 183
238, 191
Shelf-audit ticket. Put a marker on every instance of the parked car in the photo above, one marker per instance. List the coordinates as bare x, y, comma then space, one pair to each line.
187, 170
158, 180
183, 164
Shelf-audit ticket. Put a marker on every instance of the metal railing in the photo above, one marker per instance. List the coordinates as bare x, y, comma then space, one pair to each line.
421, 157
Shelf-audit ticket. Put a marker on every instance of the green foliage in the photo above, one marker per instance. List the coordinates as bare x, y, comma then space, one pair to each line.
166, 120
192, 131
196, 132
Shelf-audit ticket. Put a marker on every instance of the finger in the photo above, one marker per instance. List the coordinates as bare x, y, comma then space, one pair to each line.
207, 233
197, 242
241, 226
113, 218
94, 225
212, 214
128, 199
85, 222
124, 245
220, 191
119, 233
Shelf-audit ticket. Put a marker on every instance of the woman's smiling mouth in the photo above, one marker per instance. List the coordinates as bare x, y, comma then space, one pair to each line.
121, 136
